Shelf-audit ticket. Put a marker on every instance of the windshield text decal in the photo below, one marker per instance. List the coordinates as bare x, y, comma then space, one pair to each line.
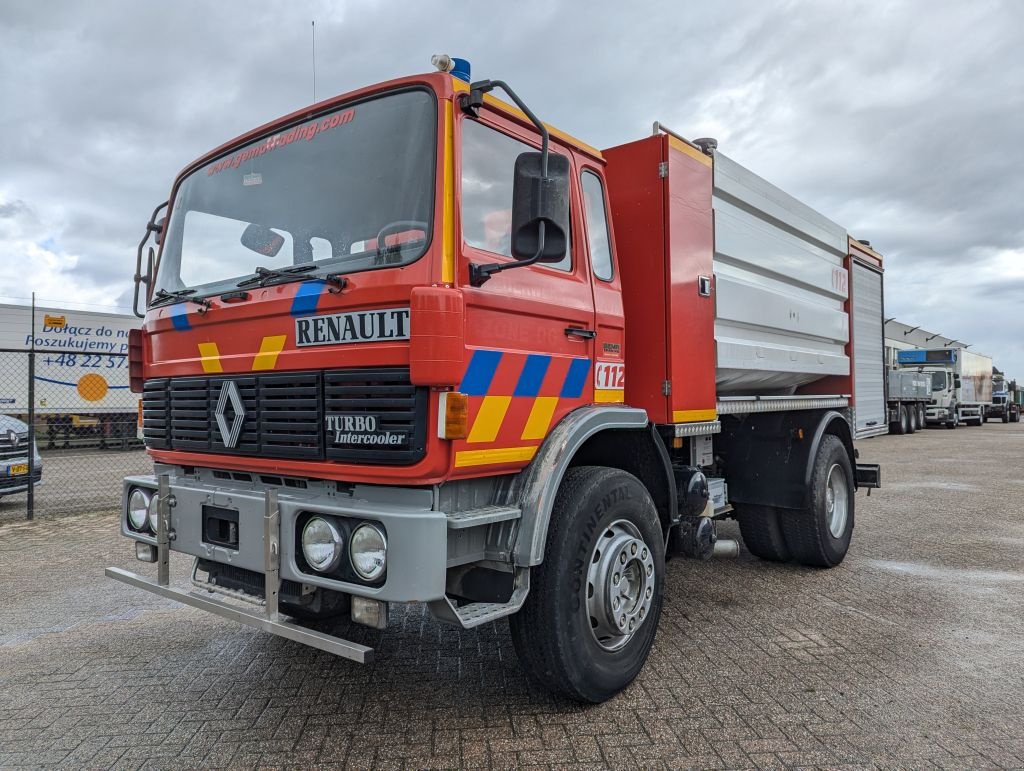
355, 327
306, 131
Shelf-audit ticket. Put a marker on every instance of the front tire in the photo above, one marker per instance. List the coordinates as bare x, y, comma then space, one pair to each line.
589, 621
820, 535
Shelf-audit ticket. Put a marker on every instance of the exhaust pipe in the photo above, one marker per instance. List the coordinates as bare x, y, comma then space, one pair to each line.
726, 547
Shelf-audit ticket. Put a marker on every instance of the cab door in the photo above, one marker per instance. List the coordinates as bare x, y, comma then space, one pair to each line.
609, 345
529, 331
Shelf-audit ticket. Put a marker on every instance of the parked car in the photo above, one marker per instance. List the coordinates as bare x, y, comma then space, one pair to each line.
14, 457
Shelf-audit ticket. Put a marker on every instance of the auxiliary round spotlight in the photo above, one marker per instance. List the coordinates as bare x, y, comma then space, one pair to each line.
321, 544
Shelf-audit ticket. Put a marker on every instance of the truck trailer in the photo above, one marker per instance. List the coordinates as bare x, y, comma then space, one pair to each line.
81, 374
961, 384
909, 392
1005, 400
448, 354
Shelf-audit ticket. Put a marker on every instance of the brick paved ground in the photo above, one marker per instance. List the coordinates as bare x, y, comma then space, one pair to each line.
910, 654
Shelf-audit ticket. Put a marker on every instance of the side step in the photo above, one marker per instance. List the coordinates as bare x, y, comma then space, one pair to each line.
478, 613
485, 515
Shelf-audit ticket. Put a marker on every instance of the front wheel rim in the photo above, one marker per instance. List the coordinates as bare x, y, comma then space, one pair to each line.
621, 585
837, 500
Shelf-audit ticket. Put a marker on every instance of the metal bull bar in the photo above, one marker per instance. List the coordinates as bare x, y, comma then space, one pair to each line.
269, 619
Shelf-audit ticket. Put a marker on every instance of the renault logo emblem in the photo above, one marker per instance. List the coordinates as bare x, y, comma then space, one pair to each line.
229, 393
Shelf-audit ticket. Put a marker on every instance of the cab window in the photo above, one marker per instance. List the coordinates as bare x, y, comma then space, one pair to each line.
488, 160
597, 226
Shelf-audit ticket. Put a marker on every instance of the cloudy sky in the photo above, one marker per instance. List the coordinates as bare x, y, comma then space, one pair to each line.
902, 122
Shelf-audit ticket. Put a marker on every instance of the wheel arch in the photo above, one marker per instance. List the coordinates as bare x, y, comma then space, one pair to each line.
769, 456
617, 437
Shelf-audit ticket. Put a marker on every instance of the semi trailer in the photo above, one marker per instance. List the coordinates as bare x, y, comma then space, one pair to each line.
81, 374
909, 391
1005, 400
961, 384
411, 344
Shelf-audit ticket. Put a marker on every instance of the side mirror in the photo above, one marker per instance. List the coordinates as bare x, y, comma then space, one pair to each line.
262, 240
540, 200
956, 381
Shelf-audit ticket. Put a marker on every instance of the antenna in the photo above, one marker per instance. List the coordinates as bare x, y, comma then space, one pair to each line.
313, 24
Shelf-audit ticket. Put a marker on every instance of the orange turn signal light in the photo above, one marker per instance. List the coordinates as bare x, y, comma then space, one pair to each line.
454, 413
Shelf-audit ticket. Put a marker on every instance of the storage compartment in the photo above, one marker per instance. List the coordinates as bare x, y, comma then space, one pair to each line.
776, 320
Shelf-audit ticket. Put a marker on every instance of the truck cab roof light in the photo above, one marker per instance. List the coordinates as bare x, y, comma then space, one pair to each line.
459, 68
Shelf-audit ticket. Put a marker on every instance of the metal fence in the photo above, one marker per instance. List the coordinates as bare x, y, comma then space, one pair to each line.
76, 409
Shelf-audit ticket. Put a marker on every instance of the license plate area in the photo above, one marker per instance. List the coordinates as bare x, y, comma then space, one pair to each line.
18, 469
220, 527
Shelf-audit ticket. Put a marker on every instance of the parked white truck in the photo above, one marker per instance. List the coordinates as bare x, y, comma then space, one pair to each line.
1004, 406
961, 384
81, 374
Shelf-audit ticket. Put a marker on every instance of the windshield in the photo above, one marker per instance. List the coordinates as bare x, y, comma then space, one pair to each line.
938, 381
347, 191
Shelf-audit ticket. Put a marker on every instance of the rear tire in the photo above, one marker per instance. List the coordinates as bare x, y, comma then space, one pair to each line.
762, 533
922, 417
903, 426
819, 536
567, 635
911, 421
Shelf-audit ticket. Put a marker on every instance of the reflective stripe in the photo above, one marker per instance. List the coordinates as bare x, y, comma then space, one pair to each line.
540, 417
209, 356
575, 379
488, 420
307, 296
480, 372
448, 206
689, 416
490, 457
179, 317
269, 349
608, 395
532, 376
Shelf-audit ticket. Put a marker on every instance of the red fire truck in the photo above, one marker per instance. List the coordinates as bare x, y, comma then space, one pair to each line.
410, 344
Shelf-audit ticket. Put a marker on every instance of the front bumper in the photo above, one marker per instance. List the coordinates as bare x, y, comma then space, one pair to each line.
416, 534
18, 483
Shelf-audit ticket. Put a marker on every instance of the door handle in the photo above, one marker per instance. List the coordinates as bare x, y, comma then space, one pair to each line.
586, 334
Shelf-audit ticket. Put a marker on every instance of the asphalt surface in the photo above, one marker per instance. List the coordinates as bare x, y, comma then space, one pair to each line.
910, 655
76, 481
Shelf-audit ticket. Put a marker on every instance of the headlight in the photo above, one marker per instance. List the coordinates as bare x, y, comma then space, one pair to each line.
154, 510
321, 544
368, 551
138, 505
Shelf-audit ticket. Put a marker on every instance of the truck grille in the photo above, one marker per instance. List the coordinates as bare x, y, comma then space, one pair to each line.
285, 415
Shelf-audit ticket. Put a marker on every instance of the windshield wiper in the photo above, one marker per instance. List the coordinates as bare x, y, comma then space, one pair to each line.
263, 275
179, 295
